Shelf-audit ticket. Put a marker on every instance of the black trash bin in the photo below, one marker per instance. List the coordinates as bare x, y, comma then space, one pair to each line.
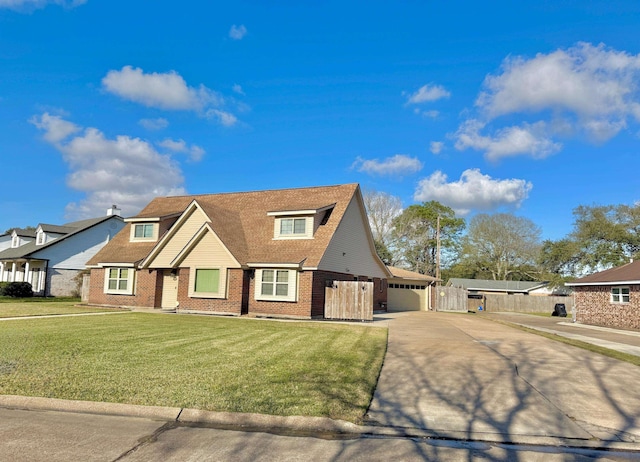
559, 310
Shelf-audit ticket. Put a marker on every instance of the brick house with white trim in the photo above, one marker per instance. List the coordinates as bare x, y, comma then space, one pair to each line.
609, 298
268, 253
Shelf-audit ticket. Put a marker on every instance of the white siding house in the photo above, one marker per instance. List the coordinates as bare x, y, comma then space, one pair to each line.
53, 256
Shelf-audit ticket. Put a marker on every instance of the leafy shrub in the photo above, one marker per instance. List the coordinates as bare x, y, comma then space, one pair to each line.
3, 285
18, 289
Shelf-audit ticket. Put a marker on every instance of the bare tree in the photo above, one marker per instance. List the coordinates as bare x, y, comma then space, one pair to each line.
382, 208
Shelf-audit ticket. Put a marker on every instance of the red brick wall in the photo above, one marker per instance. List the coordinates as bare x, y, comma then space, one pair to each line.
231, 304
147, 288
593, 306
240, 290
299, 309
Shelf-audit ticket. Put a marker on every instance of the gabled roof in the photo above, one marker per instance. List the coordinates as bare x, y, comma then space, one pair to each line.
56, 229
496, 286
24, 232
406, 274
30, 248
243, 223
625, 274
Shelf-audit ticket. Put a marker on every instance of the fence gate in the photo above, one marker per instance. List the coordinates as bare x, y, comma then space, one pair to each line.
451, 299
349, 300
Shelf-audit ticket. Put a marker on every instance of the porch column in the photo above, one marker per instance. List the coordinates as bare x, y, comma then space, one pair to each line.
1, 271
13, 271
25, 278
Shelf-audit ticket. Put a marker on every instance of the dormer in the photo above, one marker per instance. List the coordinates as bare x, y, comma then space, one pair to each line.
20, 237
299, 224
15, 240
145, 230
40, 236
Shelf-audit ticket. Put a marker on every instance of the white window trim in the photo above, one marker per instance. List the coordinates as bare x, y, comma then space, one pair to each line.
292, 295
222, 283
308, 229
154, 235
620, 295
130, 281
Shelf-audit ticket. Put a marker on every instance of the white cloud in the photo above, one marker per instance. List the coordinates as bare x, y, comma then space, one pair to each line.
225, 118
237, 89
528, 139
436, 147
428, 93
154, 124
125, 171
396, 165
237, 32
164, 91
180, 146
474, 191
56, 129
595, 86
29, 5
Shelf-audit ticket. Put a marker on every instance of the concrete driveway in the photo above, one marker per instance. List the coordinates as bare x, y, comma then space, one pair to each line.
462, 376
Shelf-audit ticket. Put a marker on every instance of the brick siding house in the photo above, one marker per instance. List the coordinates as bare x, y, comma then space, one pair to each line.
267, 253
609, 298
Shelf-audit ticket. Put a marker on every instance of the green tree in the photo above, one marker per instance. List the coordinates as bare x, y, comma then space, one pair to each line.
414, 235
503, 245
603, 236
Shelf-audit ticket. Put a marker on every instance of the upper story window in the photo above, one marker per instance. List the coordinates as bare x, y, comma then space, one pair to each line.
15, 241
40, 238
619, 295
143, 231
293, 228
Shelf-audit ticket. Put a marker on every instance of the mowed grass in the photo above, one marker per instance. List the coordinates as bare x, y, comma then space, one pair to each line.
11, 307
211, 363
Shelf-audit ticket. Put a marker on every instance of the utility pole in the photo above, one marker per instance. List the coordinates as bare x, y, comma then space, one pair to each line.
438, 251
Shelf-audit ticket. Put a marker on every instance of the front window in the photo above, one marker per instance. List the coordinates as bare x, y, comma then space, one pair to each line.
40, 238
119, 281
15, 241
276, 284
619, 295
207, 281
143, 231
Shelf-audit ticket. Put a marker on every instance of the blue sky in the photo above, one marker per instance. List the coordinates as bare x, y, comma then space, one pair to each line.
526, 107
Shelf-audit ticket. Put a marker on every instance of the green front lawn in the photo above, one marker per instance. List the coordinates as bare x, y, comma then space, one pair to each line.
36, 306
212, 363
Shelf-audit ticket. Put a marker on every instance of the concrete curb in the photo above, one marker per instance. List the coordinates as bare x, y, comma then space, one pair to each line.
293, 425
89, 407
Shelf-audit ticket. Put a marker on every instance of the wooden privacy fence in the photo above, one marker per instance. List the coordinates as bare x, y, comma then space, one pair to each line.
349, 300
525, 303
451, 299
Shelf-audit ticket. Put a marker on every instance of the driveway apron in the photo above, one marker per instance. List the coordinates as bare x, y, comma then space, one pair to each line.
460, 375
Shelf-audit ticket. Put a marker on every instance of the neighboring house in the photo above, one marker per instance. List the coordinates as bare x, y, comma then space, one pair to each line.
270, 253
409, 291
488, 286
50, 257
609, 298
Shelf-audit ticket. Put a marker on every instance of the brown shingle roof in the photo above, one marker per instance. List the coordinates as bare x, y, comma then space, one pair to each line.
406, 274
242, 223
621, 274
